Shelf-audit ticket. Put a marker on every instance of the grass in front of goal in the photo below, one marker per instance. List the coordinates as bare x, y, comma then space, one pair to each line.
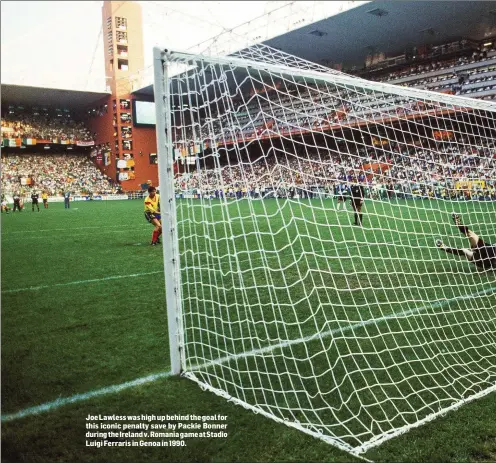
83, 308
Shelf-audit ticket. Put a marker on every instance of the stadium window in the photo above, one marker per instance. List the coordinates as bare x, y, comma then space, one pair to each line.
125, 104
121, 37
126, 132
153, 158
122, 64
127, 145
122, 50
120, 23
125, 117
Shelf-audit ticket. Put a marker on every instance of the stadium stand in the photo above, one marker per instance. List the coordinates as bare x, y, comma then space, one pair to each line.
471, 74
407, 173
42, 124
420, 171
53, 173
34, 171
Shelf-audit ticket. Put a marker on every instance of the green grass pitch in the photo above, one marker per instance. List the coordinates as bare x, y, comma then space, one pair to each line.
83, 309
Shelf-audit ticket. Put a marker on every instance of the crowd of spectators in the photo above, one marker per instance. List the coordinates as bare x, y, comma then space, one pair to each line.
411, 169
53, 173
42, 124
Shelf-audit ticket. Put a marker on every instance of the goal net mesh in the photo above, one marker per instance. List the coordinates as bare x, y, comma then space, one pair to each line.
351, 333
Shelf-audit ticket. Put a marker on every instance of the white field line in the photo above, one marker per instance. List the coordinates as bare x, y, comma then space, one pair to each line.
48, 406
80, 282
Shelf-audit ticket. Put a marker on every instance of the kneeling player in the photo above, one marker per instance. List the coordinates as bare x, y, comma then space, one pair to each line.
152, 213
5, 206
482, 254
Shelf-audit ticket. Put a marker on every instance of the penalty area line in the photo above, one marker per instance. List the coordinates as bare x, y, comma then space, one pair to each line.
85, 396
48, 406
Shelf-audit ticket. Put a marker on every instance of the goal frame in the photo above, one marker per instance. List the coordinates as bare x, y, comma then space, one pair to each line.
163, 58
170, 248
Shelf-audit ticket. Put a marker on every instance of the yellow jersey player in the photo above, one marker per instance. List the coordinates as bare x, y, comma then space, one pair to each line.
152, 213
44, 197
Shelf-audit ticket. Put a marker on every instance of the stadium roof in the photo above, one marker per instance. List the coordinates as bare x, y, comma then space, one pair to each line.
385, 26
53, 97
388, 27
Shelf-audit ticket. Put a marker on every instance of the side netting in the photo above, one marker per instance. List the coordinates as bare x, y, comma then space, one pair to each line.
351, 322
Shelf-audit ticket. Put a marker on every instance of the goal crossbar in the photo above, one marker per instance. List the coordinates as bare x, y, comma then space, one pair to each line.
335, 77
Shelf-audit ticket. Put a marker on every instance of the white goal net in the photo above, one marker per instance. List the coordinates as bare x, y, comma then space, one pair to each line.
327, 242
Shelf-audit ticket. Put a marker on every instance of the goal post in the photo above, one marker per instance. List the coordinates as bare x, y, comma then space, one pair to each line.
302, 214
168, 208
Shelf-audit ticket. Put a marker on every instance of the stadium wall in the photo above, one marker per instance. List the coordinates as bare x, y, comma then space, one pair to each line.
144, 143
103, 128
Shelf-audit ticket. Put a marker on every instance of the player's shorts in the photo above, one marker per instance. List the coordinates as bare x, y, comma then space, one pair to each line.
356, 202
34, 201
149, 217
45, 201
485, 255
341, 198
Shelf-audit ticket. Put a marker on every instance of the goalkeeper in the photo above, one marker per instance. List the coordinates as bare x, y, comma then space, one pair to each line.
482, 254
152, 214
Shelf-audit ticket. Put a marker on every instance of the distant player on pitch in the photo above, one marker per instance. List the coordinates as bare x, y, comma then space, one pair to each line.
357, 191
17, 203
5, 206
44, 197
342, 194
152, 214
34, 201
482, 254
